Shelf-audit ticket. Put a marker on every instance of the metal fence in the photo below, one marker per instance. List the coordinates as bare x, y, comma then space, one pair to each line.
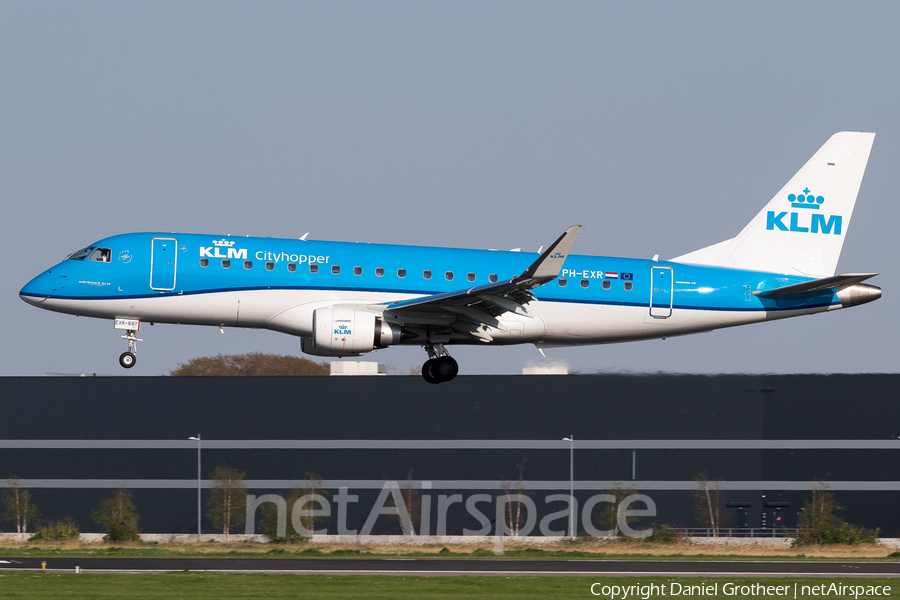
738, 532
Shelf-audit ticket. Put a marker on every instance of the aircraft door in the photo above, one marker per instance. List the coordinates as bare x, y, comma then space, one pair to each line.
163, 262
661, 292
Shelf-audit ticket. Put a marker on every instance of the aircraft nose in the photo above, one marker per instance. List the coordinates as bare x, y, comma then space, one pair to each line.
37, 290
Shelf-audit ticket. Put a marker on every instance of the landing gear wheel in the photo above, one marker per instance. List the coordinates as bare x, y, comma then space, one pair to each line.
439, 367
445, 368
439, 370
127, 359
428, 371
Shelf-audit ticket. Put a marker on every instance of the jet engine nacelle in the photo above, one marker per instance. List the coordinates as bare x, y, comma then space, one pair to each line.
343, 331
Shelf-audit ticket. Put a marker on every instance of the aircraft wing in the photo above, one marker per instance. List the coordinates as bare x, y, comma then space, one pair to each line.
483, 304
816, 285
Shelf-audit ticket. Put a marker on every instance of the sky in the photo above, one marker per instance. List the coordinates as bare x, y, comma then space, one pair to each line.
663, 127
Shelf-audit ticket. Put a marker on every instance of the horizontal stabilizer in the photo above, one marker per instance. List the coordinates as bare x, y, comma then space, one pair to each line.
837, 282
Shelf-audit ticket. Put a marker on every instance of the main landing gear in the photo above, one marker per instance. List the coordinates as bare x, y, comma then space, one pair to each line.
128, 359
440, 366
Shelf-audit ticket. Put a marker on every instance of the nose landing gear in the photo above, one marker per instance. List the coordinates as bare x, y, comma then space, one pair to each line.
128, 359
440, 367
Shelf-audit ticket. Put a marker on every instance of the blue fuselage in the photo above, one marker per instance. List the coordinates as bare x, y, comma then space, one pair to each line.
195, 265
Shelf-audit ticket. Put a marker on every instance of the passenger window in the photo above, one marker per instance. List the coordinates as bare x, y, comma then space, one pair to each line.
492, 278
448, 275
379, 272
401, 273
426, 274
226, 263
248, 264
313, 268
101, 255
606, 284
562, 282
585, 283
292, 267
270, 266
204, 262
628, 286
471, 276
336, 269
357, 270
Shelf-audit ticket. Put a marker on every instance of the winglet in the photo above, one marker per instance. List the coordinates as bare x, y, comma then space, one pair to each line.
551, 262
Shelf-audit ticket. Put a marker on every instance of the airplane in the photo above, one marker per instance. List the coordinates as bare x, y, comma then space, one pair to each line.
344, 299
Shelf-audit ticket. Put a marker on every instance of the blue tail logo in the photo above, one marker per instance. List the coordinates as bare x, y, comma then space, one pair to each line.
806, 200
817, 223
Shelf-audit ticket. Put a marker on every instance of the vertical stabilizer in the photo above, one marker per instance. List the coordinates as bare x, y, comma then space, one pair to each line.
801, 230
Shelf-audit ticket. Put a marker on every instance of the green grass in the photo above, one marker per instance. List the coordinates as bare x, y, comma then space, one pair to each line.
199, 586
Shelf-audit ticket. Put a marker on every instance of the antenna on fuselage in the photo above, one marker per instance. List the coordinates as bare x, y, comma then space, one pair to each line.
303, 237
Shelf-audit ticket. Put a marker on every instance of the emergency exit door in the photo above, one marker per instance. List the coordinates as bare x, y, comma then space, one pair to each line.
163, 262
661, 292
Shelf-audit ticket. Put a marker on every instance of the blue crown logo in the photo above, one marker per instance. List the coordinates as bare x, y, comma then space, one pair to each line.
806, 200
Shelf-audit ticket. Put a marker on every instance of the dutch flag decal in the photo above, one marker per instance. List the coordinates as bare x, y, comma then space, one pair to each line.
611, 275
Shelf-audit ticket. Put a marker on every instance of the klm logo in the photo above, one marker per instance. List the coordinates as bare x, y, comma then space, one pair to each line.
803, 221
223, 249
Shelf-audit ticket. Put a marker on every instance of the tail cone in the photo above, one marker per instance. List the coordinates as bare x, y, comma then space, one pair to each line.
860, 293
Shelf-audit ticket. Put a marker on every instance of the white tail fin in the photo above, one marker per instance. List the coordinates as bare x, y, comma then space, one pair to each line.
802, 229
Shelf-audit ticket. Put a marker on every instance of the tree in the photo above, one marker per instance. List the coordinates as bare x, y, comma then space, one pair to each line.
254, 363
820, 525
119, 515
17, 506
314, 487
708, 499
269, 512
608, 517
513, 513
227, 506
268, 520
410, 499
57, 531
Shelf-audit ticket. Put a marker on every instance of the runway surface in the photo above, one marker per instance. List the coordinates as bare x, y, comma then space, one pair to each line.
449, 567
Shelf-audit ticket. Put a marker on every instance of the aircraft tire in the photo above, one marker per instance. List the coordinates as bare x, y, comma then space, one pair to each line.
446, 368
429, 373
127, 359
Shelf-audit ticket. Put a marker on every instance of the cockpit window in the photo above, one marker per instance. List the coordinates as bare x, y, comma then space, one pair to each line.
101, 255
82, 254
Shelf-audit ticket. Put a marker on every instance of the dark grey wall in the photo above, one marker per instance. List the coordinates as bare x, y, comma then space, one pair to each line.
619, 407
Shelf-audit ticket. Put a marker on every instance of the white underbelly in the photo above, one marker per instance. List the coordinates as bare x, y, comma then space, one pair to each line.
291, 312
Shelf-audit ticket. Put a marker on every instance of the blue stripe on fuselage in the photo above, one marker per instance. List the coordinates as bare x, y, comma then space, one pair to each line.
695, 287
